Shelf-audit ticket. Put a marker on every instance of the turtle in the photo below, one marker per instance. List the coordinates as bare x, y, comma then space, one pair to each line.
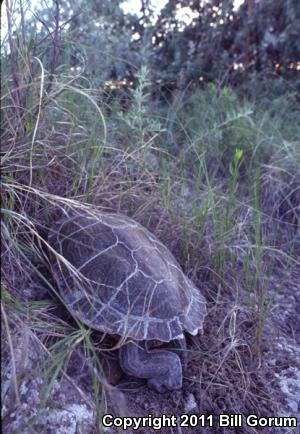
116, 277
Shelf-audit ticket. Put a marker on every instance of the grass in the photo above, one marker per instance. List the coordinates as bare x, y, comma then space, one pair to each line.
217, 180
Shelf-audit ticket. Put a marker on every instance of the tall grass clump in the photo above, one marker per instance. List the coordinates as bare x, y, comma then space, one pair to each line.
50, 163
231, 152
57, 157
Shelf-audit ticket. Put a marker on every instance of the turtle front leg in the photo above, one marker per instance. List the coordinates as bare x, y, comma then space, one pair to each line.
161, 368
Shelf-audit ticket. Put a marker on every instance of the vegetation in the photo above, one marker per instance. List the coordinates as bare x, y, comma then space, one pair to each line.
109, 113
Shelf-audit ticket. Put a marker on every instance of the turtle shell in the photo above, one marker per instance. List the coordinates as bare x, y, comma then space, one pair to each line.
117, 277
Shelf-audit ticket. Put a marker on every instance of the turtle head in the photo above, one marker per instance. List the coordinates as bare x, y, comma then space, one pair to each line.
170, 381
161, 368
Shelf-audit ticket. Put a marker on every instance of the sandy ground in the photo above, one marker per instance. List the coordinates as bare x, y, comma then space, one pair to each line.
274, 375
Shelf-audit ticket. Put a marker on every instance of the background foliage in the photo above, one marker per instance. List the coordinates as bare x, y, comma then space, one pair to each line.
186, 42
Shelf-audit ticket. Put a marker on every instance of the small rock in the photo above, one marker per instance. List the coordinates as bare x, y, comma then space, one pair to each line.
190, 404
